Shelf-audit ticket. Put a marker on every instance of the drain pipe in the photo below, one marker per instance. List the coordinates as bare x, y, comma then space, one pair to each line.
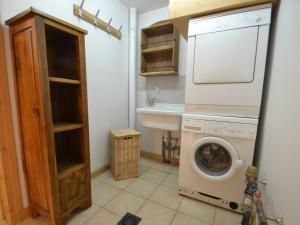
132, 67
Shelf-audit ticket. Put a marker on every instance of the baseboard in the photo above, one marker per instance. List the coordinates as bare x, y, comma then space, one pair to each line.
151, 155
100, 171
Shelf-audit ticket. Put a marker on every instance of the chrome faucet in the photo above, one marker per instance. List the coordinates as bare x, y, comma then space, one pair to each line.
152, 95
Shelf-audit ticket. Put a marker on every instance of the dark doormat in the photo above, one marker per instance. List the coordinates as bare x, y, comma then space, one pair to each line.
129, 219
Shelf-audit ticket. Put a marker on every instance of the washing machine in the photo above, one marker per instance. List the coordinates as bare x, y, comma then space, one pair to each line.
215, 154
226, 62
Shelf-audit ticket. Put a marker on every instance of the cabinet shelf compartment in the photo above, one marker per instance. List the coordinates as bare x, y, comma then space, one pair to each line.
159, 50
158, 62
65, 103
158, 35
62, 53
68, 151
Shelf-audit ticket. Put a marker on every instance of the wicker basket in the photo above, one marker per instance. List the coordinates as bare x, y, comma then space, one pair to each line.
125, 153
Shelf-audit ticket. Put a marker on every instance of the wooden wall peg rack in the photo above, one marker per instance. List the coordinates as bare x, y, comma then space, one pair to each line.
94, 20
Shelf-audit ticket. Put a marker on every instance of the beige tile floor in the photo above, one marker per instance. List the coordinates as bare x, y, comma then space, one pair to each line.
153, 197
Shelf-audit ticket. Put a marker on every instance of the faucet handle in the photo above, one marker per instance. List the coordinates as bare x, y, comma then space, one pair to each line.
151, 95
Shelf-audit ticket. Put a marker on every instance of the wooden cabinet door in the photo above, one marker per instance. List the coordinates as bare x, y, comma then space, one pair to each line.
71, 190
29, 117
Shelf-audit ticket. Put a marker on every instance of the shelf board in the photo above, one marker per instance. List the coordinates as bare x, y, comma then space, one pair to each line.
157, 49
60, 127
159, 29
63, 80
67, 167
158, 42
159, 73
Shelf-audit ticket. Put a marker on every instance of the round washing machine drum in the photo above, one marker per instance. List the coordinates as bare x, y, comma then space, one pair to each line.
215, 159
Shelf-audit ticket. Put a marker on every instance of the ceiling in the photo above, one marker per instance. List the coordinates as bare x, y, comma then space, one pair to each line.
145, 5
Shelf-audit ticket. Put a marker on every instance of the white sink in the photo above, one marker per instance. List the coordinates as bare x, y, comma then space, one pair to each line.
162, 116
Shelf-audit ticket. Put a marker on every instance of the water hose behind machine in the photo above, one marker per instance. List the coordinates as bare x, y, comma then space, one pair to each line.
252, 204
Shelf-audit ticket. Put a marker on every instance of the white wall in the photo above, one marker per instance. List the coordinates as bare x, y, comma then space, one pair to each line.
106, 61
279, 142
171, 89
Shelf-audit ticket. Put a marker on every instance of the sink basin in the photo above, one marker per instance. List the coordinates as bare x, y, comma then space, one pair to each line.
162, 116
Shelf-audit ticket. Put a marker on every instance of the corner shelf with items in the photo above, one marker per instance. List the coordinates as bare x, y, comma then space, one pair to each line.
159, 50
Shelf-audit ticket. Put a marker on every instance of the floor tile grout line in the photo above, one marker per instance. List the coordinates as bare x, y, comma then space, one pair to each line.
173, 218
104, 207
162, 204
201, 220
150, 181
215, 214
121, 180
148, 199
101, 208
160, 184
112, 212
177, 210
169, 172
112, 199
124, 190
126, 204
183, 197
168, 187
138, 197
121, 190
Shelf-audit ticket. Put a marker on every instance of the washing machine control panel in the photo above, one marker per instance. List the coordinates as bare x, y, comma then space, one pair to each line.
219, 128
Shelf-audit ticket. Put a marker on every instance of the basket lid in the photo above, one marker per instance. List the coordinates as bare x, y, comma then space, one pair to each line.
124, 132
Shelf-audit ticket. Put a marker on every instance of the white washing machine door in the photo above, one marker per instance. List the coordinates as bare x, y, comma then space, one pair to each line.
215, 159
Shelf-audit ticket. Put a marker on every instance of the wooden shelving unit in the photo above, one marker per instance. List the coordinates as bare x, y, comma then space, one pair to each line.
159, 50
52, 97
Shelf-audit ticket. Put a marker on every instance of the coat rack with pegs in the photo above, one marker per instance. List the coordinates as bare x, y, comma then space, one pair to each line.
94, 20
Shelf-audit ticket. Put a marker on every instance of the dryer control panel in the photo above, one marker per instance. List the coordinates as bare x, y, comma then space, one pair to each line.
230, 20
214, 125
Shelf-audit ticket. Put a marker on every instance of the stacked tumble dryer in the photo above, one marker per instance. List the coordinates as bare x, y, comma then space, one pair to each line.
225, 75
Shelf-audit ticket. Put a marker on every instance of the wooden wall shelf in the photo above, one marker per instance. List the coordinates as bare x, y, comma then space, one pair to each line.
159, 50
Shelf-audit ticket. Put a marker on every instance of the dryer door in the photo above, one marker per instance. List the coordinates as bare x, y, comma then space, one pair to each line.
226, 57
215, 159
